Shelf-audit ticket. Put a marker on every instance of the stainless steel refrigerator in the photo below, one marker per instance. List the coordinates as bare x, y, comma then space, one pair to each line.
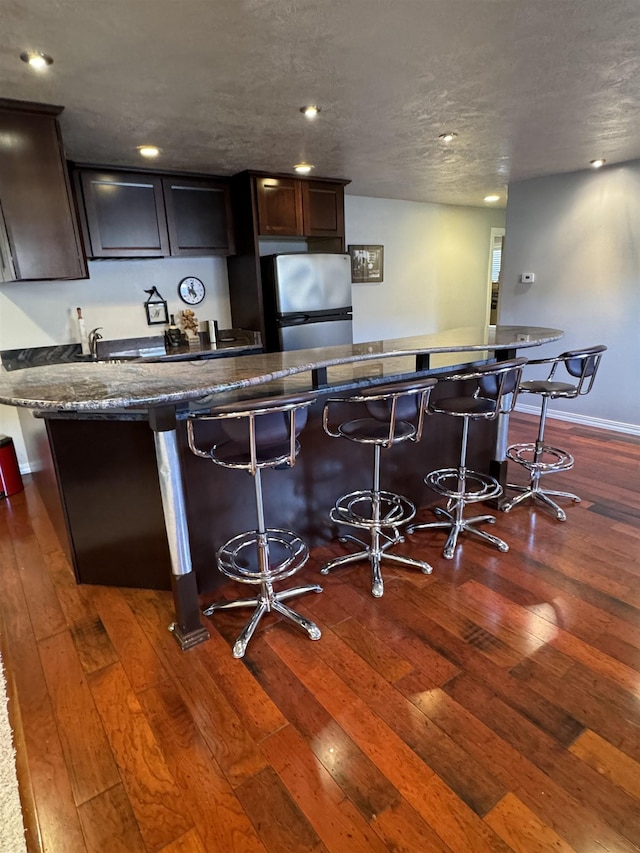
307, 300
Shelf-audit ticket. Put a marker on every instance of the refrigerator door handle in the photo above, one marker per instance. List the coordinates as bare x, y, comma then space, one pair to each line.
294, 320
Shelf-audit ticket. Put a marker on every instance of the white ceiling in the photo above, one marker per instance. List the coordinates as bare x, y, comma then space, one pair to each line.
532, 87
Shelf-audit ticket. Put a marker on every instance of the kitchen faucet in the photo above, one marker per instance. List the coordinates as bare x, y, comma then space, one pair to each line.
94, 337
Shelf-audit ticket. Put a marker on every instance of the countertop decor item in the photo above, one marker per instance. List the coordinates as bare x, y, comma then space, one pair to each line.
366, 264
190, 324
82, 331
191, 290
156, 308
173, 336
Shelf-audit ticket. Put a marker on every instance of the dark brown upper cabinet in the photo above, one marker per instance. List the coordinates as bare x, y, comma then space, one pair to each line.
323, 209
198, 216
295, 207
39, 234
146, 215
124, 214
279, 207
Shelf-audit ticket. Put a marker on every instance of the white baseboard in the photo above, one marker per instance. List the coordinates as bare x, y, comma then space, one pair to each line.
585, 420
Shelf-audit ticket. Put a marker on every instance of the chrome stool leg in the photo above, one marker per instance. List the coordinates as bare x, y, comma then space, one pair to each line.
264, 603
397, 510
453, 516
539, 458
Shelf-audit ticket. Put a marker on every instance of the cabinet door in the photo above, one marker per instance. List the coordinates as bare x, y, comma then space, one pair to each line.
279, 207
198, 216
41, 235
124, 214
323, 208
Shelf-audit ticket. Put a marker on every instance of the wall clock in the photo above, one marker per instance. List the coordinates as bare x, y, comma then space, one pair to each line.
191, 290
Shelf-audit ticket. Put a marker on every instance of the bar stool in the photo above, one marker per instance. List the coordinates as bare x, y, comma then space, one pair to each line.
260, 434
389, 415
495, 391
537, 457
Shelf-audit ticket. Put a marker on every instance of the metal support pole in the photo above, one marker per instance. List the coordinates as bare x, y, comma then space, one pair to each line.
187, 629
498, 465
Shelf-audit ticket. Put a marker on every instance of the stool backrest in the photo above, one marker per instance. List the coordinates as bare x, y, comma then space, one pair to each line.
582, 364
391, 404
497, 381
255, 427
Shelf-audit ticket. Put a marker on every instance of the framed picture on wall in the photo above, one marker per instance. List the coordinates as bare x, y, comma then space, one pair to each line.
366, 264
156, 308
157, 313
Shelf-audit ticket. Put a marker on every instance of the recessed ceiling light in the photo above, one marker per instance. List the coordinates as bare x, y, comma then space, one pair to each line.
303, 168
36, 60
597, 164
310, 111
448, 137
490, 199
149, 151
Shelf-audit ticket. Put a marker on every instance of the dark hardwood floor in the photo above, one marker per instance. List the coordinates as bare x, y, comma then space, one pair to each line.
493, 706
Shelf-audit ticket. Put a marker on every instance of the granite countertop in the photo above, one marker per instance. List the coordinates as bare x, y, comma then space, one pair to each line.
150, 348
103, 387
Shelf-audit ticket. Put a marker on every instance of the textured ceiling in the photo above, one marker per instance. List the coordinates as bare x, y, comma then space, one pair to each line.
532, 87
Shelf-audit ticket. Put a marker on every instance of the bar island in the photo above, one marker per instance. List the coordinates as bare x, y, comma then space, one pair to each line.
145, 512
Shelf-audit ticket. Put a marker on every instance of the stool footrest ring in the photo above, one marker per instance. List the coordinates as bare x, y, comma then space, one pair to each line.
374, 511
477, 487
550, 458
285, 551
358, 509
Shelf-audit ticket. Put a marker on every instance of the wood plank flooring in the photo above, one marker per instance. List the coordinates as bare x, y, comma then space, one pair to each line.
493, 706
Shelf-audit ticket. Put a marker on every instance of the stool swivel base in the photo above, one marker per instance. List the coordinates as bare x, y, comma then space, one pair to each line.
248, 558
538, 460
374, 510
466, 487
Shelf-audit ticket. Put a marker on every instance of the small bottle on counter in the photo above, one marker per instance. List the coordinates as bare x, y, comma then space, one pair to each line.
212, 328
84, 338
173, 335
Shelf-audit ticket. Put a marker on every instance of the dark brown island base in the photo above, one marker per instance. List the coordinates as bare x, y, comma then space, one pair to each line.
141, 510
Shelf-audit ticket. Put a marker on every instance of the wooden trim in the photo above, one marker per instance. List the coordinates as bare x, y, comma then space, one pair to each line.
254, 174
30, 107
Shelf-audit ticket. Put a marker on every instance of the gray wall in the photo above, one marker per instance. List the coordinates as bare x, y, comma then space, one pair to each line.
580, 234
436, 266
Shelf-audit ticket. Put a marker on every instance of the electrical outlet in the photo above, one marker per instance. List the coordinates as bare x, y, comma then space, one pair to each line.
527, 277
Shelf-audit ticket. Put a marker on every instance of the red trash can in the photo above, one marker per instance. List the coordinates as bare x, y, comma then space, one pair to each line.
10, 479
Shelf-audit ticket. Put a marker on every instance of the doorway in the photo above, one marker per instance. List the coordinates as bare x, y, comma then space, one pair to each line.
495, 268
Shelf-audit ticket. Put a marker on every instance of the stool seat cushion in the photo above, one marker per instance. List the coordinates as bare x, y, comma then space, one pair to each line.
473, 407
548, 387
372, 430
